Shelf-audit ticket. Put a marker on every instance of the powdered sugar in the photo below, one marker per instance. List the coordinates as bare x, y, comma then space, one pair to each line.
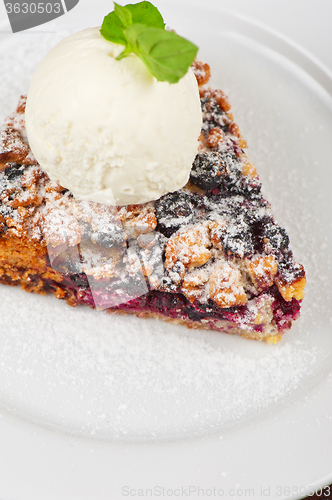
71, 367
126, 378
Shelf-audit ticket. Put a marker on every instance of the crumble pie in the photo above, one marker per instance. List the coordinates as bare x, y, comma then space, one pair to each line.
209, 255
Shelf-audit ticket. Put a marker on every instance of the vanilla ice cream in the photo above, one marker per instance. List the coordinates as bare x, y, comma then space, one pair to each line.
108, 130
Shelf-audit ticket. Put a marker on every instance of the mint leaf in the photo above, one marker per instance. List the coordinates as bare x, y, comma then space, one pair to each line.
139, 13
123, 14
146, 13
166, 54
112, 29
133, 32
141, 28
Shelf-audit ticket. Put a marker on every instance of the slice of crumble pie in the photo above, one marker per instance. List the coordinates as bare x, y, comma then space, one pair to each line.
210, 255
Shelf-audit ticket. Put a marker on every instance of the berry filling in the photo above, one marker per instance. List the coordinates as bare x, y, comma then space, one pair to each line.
177, 306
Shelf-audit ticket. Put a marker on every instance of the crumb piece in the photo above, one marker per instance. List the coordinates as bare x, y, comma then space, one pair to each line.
222, 100
234, 130
225, 287
262, 270
215, 137
138, 219
249, 169
291, 290
190, 247
192, 285
202, 72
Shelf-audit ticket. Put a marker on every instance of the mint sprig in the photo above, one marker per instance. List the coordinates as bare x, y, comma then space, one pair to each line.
141, 29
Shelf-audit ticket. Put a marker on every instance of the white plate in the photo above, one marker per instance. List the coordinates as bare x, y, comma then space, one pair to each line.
95, 406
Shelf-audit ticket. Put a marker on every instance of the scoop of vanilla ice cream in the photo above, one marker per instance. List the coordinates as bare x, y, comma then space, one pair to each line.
108, 130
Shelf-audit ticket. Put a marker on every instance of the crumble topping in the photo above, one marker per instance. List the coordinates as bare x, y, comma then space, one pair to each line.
189, 247
214, 241
14, 145
225, 287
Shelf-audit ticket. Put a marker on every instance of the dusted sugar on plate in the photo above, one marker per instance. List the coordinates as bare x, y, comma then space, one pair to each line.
208, 253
